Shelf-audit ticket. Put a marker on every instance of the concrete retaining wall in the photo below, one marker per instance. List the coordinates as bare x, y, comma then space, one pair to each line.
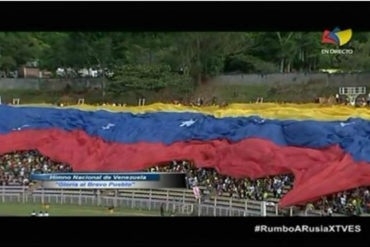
325, 79
47, 84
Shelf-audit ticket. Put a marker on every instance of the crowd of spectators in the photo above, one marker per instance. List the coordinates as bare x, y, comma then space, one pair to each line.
350, 202
216, 184
16, 167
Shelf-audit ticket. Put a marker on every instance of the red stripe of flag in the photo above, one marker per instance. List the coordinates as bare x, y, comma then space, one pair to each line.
317, 171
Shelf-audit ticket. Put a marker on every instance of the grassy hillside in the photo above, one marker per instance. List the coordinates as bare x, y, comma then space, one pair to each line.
230, 93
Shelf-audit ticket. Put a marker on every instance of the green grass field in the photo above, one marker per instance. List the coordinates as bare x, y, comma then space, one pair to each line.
230, 93
20, 209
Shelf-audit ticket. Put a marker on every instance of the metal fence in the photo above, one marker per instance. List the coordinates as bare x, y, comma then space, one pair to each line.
177, 201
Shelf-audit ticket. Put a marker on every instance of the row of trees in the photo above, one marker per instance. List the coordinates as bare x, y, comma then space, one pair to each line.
195, 55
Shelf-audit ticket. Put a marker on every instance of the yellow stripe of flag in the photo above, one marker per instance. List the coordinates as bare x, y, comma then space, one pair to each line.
265, 110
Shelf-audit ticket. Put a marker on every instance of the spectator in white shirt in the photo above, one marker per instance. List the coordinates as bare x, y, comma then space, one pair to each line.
330, 211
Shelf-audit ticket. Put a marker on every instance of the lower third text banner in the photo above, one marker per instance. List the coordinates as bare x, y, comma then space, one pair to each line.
110, 180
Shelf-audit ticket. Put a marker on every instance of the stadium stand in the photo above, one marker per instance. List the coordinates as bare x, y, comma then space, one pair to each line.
16, 167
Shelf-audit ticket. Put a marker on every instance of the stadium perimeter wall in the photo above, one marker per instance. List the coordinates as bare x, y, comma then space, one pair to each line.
47, 84
325, 79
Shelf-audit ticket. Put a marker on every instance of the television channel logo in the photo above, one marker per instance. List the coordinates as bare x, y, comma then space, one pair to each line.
337, 36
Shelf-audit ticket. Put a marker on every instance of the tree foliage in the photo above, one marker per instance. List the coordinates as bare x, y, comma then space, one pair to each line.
146, 77
196, 54
18, 48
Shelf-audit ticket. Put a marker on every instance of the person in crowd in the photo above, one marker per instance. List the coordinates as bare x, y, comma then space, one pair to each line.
309, 208
199, 101
214, 100
196, 192
224, 104
329, 211
162, 209
337, 99
33, 214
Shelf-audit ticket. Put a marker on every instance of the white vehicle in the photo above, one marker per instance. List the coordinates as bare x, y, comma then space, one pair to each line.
60, 72
83, 72
13, 74
93, 73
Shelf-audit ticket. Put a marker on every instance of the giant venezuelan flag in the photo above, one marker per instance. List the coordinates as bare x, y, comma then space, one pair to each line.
326, 148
